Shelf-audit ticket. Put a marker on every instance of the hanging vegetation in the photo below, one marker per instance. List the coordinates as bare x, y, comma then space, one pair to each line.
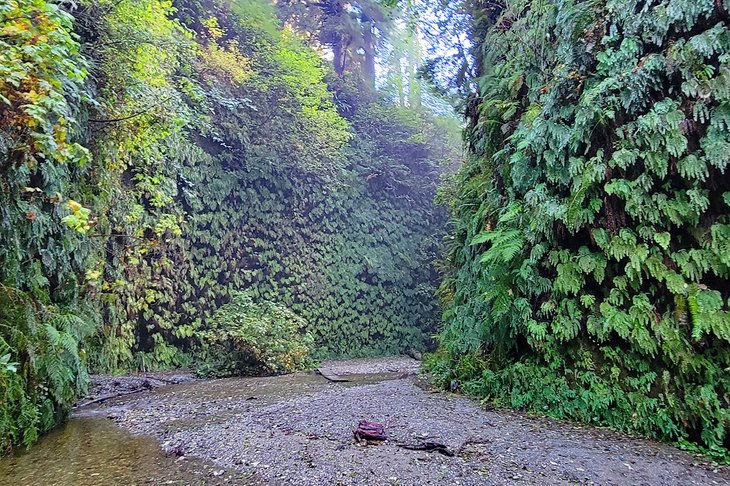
172, 172
43, 261
590, 266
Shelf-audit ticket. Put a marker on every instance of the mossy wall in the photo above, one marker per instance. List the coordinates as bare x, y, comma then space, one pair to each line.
157, 157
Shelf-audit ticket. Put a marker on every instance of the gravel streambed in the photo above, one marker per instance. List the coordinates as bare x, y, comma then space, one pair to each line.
297, 429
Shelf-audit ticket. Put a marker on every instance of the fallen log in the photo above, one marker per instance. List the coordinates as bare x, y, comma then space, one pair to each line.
331, 376
146, 384
104, 398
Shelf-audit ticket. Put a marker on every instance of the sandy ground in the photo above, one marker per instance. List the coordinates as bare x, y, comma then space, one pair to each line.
297, 429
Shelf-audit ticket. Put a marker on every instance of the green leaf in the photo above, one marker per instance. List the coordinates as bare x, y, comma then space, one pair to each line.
662, 239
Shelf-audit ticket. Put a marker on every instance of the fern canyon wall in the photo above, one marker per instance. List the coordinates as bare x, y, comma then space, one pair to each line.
250, 187
173, 174
590, 262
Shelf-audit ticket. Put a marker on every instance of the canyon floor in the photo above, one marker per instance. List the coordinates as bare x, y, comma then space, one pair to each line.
298, 429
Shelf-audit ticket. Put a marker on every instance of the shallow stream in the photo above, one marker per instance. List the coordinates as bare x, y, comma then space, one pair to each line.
297, 429
92, 450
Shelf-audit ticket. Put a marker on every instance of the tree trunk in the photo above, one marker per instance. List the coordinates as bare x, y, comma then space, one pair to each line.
414, 59
338, 60
368, 70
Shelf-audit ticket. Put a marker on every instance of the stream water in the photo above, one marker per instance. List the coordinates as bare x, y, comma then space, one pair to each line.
91, 450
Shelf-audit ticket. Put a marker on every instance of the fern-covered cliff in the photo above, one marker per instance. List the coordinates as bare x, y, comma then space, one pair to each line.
159, 157
590, 269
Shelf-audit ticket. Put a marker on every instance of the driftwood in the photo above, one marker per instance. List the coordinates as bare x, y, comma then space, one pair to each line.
368, 432
104, 398
429, 447
145, 385
331, 376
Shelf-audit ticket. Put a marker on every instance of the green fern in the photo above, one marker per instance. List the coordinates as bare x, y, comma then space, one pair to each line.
609, 169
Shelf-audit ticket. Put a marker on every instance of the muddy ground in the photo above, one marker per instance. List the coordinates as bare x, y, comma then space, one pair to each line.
297, 429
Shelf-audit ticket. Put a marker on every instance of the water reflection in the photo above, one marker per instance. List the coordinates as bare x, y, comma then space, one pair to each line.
93, 451
90, 450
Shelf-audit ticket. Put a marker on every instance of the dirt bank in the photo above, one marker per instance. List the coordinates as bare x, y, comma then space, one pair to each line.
297, 429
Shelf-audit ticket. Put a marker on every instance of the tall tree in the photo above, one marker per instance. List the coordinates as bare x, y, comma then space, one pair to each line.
411, 15
352, 32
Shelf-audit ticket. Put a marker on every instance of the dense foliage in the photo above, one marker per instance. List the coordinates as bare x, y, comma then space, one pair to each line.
42, 262
590, 266
157, 160
247, 337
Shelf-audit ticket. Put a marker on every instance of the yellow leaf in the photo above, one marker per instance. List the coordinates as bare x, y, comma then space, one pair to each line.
73, 205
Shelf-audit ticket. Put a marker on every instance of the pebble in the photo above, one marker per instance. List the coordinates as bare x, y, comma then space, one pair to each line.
299, 430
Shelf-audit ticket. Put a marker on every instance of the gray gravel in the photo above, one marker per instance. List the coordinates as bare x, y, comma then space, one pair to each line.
395, 364
297, 429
